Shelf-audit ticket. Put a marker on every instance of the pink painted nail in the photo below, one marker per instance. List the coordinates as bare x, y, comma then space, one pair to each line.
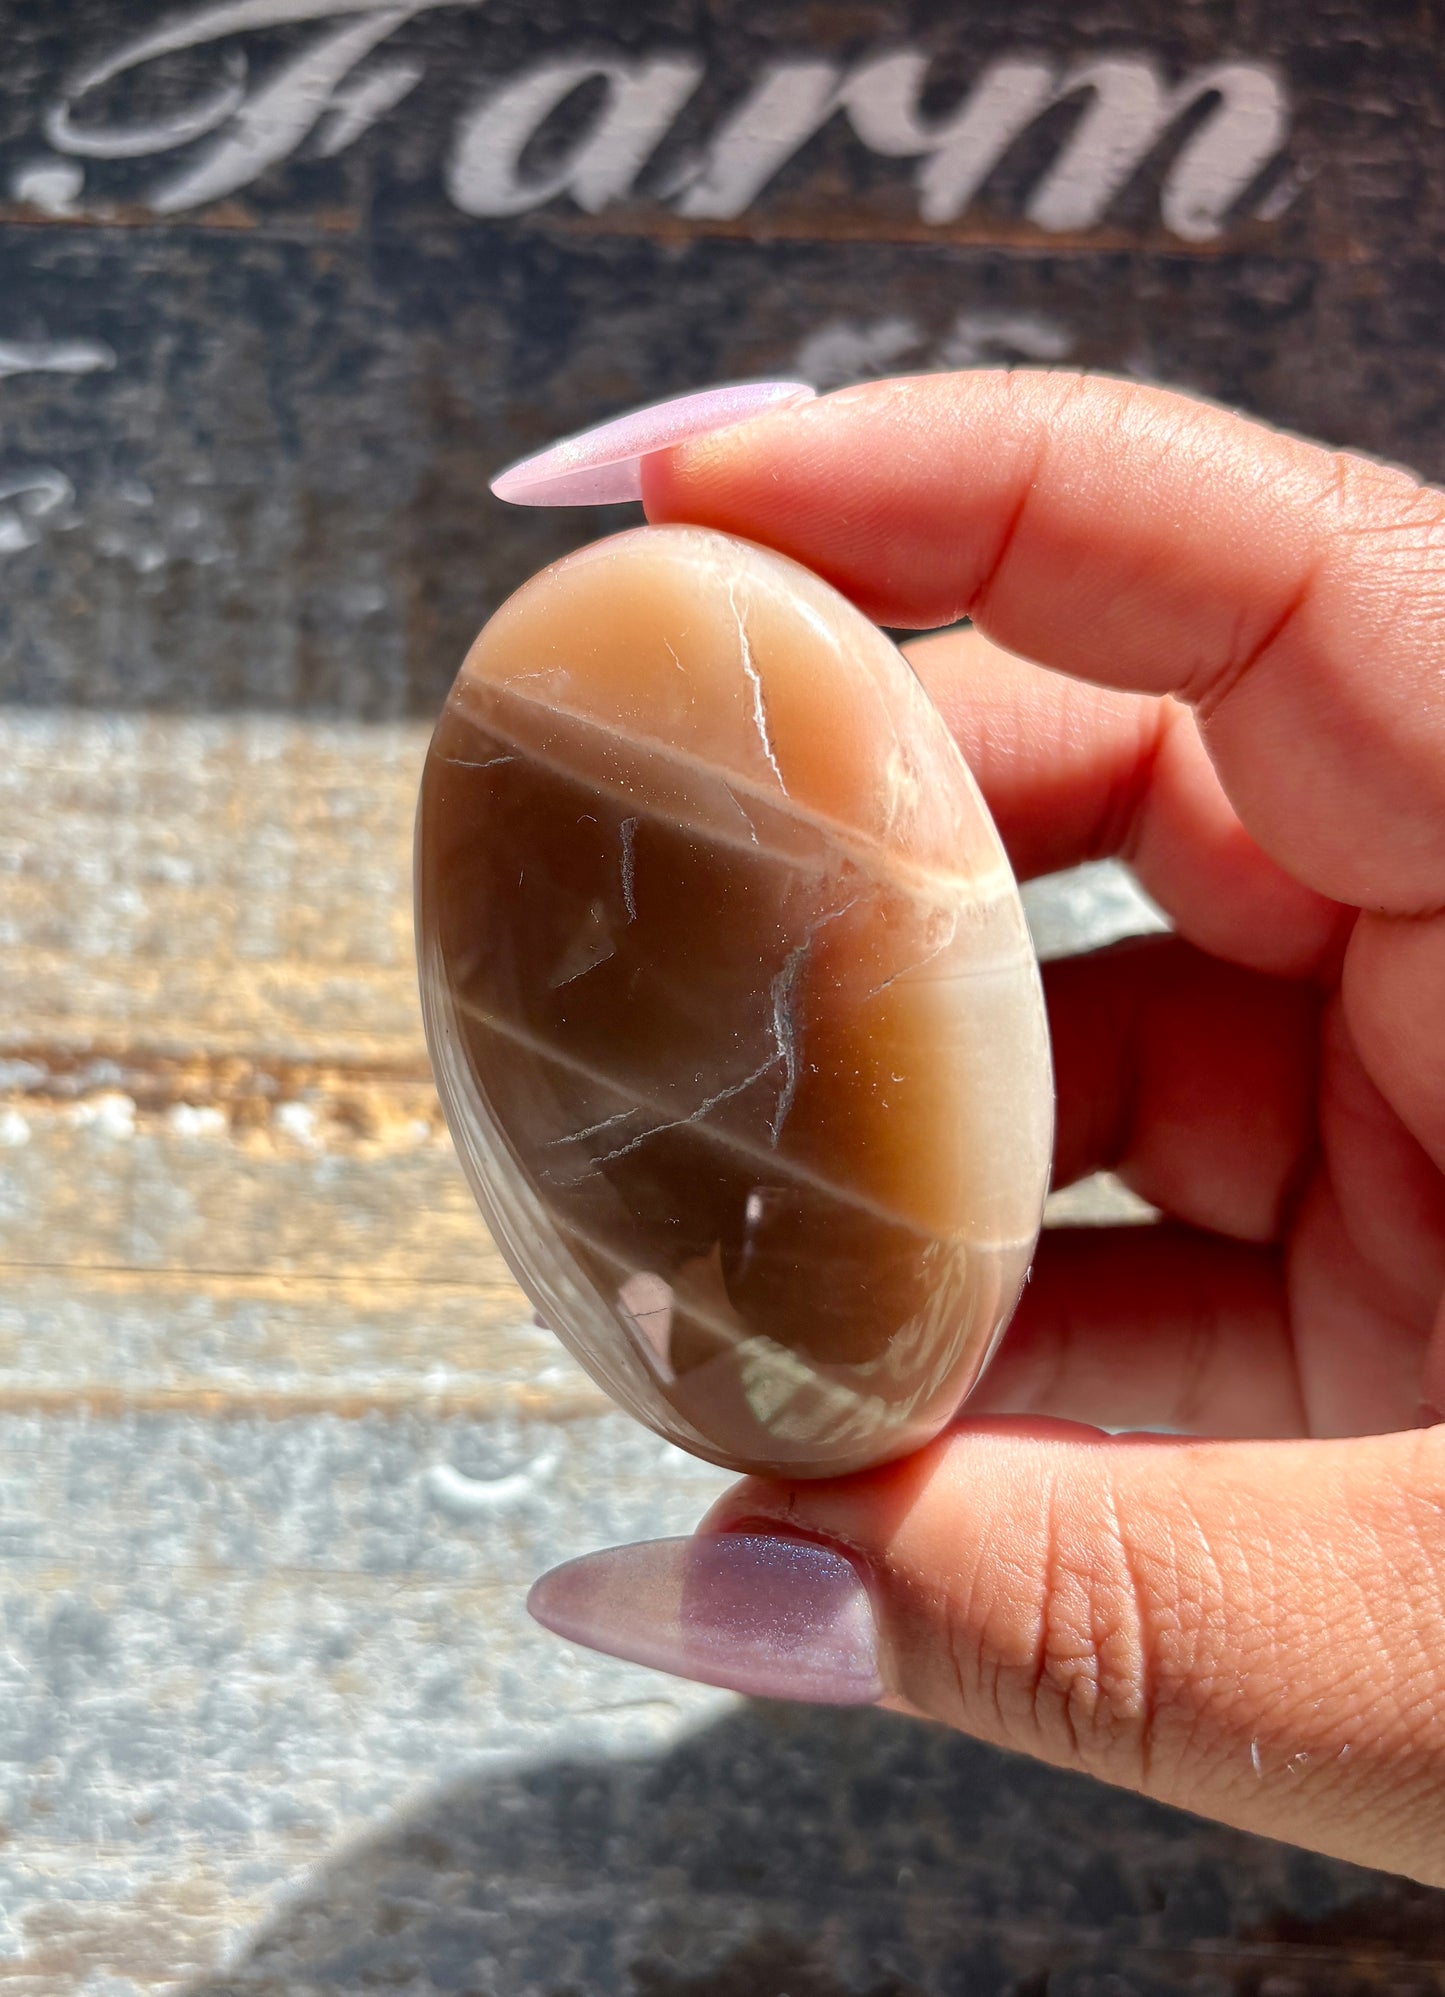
603, 466
773, 1618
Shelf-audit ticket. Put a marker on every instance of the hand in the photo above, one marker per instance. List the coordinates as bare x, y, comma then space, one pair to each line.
1241, 692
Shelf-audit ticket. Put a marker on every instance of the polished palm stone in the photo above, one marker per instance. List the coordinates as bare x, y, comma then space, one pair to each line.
731, 1002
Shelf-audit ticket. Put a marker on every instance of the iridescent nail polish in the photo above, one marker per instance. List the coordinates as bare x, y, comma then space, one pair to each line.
761, 1614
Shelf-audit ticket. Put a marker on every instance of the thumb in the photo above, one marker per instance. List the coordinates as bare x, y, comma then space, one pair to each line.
1253, 1631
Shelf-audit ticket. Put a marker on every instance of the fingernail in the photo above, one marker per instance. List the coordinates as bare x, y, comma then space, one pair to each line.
754, 1613
603, 466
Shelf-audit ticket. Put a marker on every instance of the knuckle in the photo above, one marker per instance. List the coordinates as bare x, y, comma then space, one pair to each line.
1069, 1664
1387, 529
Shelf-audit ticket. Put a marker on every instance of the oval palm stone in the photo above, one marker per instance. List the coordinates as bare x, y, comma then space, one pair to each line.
731, 1002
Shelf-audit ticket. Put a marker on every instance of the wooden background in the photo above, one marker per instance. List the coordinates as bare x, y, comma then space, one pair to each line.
279, 1446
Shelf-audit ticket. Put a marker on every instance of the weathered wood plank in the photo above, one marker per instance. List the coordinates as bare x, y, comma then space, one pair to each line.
221, 1346
233, 888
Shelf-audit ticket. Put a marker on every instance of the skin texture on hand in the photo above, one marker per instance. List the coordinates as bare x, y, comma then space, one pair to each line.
1240, 690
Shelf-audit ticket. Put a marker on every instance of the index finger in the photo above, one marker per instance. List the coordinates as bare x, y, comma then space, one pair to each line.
1294, 596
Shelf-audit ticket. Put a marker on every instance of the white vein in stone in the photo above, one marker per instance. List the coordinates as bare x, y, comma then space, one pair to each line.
736, 1141
693, 1116
629, 870
785, 1033
864, 848
755, 681
592, 1129
909, 969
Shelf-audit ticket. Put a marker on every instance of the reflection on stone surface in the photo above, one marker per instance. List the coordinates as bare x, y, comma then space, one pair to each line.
731, 1001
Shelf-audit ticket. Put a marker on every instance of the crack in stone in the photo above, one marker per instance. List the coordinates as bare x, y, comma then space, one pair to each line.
784, 1027
586, 970
908, 969
593, 1129
785, 1030
785, 1033
755, 680
693, 1116
739, 1142
742, 812
629, 897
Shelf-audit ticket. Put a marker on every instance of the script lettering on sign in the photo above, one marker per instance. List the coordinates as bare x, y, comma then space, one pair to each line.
1228, 122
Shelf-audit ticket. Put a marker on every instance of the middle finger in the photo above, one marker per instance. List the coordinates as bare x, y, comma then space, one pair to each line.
1076, 772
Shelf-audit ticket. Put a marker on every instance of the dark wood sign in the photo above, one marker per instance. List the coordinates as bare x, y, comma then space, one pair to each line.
284, 281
